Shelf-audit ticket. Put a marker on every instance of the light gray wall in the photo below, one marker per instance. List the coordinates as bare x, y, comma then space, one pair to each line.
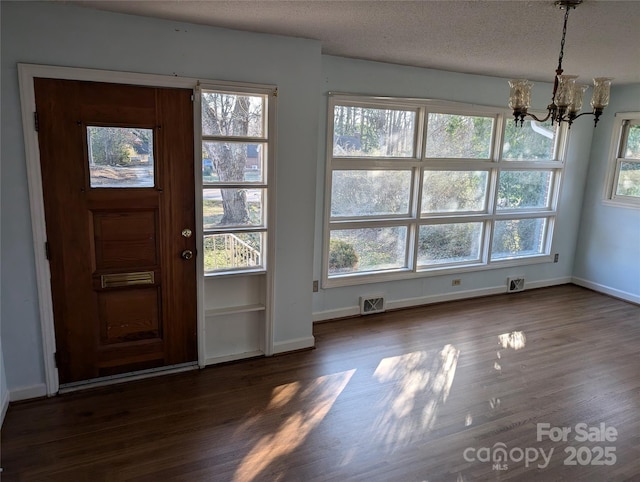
363, 77
4, 392
608, 251
20, 327
57, 34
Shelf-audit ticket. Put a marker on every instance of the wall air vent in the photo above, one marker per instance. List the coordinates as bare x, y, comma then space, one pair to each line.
515, 284
371, 304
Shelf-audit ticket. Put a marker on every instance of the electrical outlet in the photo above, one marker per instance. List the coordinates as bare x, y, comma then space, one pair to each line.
315, 286
555, 258
456, 282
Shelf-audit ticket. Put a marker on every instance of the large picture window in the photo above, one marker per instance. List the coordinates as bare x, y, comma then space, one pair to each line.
235, 154
418, 187
623, 183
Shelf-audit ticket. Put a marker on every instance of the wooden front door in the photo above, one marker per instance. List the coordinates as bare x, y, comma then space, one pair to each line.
118, 185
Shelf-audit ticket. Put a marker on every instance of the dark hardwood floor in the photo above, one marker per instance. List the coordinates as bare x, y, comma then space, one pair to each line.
424, 394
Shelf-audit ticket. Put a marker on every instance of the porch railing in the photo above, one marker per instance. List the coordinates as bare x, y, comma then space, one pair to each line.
232, 252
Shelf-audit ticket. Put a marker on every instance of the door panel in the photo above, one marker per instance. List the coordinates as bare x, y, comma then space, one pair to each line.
125, 239
118, 185
129, 315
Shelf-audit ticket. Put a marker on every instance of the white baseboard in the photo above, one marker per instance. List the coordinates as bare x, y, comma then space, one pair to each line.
437, 298
24, 393
335, 314
213, 360
293, 345
4, 407
548, 282
607, 290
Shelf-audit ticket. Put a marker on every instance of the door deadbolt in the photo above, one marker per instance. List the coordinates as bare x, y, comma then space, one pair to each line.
186, 233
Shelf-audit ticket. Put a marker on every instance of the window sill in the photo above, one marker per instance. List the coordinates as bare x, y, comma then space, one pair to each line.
223, 274
616, 203
397, 275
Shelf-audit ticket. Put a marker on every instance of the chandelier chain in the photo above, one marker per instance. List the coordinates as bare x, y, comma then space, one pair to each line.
564, 33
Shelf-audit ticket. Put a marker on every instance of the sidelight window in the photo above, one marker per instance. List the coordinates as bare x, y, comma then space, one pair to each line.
236, 148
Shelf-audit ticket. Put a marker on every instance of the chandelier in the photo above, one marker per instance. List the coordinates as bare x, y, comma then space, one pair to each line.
566, 101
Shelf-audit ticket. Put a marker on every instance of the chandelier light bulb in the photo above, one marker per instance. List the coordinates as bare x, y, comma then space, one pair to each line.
564, 95
601, 92
520, 95
576, 102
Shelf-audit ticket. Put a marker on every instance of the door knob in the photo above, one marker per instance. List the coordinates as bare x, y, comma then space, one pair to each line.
187, 254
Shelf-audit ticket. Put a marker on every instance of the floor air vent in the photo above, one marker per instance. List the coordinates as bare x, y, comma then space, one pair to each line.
371, 304
515, 284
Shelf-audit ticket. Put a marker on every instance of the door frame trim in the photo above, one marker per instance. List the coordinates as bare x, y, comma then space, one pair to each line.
26, 75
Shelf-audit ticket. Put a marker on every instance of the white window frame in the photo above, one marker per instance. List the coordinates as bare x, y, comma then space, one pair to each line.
418, 164
618, 143
267, 184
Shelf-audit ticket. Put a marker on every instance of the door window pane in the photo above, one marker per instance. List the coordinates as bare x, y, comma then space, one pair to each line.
370, 193
120, 157
367, 249
369, 132
232, 207
514, 238
227, 251
232, 162
234, 115
534, 141
459, 136
449, 243
454, 191
524, 189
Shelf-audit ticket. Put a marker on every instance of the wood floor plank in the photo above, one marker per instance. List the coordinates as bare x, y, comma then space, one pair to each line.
397, 396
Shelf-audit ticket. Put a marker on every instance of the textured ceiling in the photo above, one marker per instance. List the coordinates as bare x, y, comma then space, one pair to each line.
500, 38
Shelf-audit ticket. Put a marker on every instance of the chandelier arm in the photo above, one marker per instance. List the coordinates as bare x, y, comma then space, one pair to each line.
546, 118
596, 114
580, 115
